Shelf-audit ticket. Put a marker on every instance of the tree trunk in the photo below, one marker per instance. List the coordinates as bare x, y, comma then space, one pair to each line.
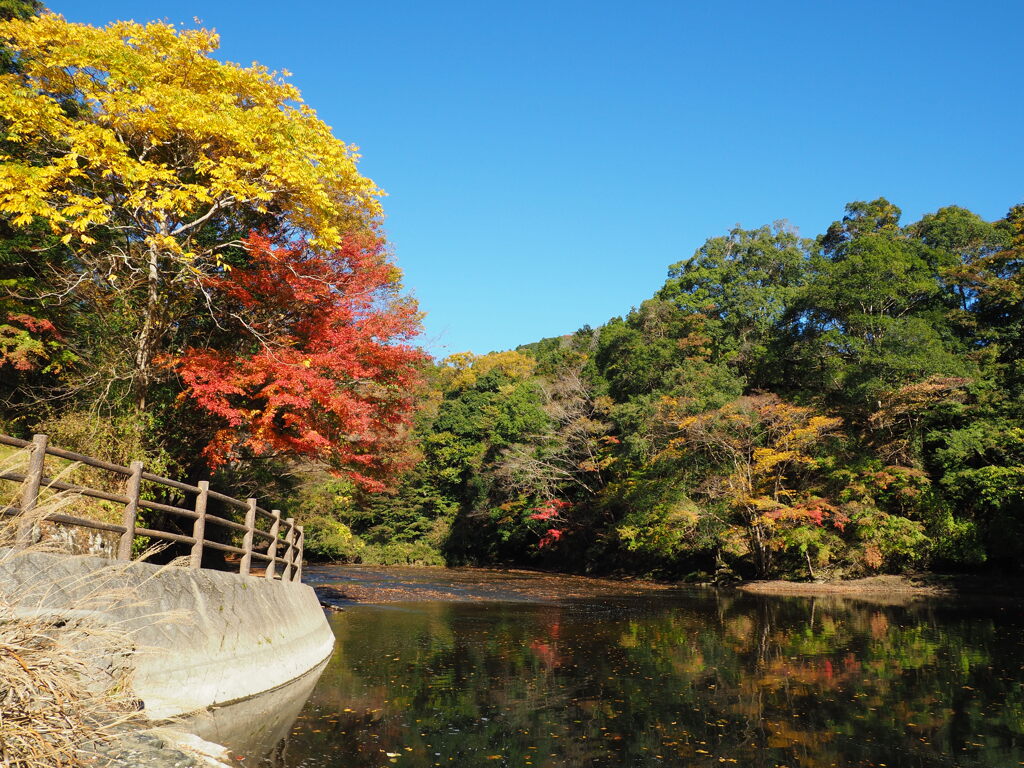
149, 335
762, 557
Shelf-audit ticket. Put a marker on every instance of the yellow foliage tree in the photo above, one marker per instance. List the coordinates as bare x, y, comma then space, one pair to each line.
467, 367
150, 159
762, 451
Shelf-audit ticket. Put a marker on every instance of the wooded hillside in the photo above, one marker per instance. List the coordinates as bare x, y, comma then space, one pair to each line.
782, 406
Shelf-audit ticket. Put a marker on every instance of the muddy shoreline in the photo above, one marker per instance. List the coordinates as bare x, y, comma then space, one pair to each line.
413, 583
340, 585
912, 585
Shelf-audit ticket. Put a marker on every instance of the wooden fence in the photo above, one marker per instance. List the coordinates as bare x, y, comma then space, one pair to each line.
281, 544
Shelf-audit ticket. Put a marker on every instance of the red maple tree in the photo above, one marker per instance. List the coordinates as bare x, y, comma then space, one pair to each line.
320, 363
551, 511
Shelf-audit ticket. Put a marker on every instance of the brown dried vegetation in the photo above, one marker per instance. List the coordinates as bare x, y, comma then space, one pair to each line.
63, 681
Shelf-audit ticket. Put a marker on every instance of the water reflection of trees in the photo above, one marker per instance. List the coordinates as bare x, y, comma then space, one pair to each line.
706, 681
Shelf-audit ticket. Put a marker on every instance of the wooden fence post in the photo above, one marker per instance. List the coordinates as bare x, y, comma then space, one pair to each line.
131, 509
250, 524
275, 529
30, 491
199, 526
289, 550
301, 548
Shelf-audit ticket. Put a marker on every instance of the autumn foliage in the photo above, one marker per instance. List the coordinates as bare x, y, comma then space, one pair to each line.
322, 367
135, 168
699, 434
552, 512
765, 449
23, 341
146, 161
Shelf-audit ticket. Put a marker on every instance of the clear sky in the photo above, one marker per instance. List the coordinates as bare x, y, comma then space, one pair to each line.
545, 161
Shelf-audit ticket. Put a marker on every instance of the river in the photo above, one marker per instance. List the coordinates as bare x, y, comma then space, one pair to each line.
468, 668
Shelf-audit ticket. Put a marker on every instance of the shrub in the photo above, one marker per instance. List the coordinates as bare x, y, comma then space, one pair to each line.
331, 540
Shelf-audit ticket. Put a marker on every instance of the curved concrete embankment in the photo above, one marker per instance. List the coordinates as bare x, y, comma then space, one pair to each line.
200, 637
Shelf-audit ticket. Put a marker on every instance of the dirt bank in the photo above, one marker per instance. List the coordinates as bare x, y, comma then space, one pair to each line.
338, 586
914, 585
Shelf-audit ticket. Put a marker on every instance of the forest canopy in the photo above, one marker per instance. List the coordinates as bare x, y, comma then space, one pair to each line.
782, 406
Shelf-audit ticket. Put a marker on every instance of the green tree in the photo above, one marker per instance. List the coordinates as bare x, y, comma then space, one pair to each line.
862, 218
742, 284
961, 241
872, 318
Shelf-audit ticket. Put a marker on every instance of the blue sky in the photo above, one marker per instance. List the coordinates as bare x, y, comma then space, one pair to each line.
546, 161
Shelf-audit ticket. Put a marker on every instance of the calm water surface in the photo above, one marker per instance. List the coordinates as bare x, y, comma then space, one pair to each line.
685, 677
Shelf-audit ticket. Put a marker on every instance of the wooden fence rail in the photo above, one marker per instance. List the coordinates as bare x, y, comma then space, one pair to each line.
282, 545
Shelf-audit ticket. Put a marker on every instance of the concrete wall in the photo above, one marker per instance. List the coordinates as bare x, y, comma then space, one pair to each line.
254, 727
200, 637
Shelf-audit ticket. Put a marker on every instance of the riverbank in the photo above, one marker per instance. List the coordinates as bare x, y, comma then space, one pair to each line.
910, 585
93, 651
338, 586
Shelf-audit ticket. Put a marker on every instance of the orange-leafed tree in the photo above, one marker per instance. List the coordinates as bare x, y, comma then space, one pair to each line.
761, 465
315, 358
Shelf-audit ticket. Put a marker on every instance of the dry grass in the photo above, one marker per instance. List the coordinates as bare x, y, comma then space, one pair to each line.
63, 676
55, 699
